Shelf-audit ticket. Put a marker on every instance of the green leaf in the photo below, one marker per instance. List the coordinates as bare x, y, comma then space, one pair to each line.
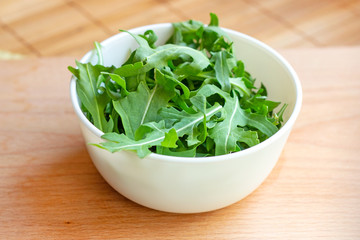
118, 79
181, 104
259, 122
170, 139
224, 133
239, 85
227, 133
198, 135
222, 70
239, 70
187, 33
189, 97
118, 142
74, 71
175, 152
214, 21
154, 134
160, 56
99, 53
144, 48
141, 106
168, 52
92, 99
215, 39
150, 37
278, 117
172, 80
130, 69
185, 122
199, 102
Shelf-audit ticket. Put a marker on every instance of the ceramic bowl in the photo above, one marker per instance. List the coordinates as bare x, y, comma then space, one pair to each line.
193, 185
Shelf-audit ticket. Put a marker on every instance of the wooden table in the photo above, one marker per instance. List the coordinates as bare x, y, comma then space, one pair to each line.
49, 188
46, 28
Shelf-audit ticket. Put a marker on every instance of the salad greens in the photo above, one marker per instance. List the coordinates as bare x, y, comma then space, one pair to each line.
189, 97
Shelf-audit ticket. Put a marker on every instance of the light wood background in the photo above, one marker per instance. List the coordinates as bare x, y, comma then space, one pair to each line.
49, 188
69, 27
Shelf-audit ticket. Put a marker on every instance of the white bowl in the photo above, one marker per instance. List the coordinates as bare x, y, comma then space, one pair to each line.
193, 185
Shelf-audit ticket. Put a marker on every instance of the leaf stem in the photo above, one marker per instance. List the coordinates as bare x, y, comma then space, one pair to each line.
99, 53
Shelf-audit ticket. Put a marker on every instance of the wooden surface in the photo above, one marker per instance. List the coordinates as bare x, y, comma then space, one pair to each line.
69, 27
49, 188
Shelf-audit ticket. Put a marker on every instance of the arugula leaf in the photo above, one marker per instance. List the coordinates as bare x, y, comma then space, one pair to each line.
187, 33
227, 133
143, 50
141, 106
172, 77
239, 85
117, 142
113, 87
150, 37
170, 52
189, 97
160, 57
185, 122
92, 99
176, 152
98, 51
214, 21
215, 39
224, 133
222, 71
260, 122
159, 136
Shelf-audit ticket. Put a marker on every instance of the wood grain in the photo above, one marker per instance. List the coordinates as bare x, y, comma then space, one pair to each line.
69, 27
49, 188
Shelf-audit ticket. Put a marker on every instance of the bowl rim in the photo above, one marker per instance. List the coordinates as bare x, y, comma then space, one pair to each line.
283, 130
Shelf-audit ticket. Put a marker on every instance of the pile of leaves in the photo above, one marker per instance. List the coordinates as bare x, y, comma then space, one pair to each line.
189, 97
